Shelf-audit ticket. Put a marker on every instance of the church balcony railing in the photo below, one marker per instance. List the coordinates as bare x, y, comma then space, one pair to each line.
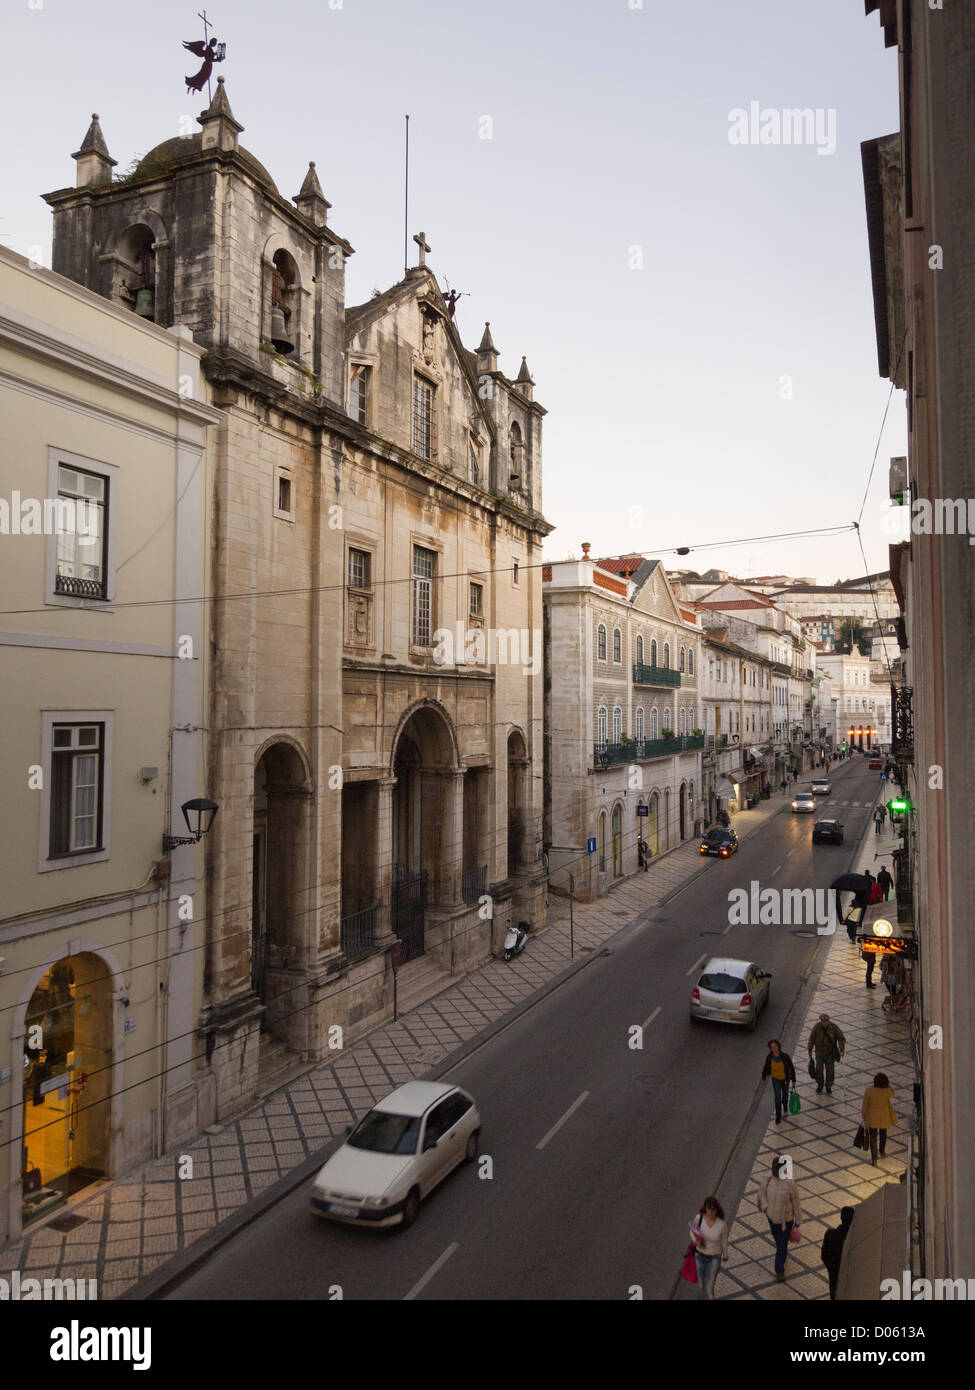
473, 883
358, 932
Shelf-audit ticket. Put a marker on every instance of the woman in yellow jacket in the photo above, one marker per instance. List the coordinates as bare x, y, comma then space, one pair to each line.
878, 1113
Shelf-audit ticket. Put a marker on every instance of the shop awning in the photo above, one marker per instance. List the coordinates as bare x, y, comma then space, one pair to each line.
876, 1245
724, 788
736, 776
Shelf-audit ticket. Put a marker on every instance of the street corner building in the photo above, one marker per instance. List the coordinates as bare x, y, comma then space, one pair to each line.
623, 718
107, 444
363, 484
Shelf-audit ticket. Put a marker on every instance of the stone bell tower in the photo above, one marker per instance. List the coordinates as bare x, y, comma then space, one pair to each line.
198, 234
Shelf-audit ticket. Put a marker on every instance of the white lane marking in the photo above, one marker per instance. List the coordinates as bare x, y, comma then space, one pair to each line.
647, 1022
727, 929
701, 958
559, 1123
776, 870
437, 1265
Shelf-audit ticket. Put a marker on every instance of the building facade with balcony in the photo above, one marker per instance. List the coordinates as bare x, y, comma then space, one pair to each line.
375, 687
624, 718
103, 563
919, 197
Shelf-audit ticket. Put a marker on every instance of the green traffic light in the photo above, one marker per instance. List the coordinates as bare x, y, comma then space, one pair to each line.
898, 806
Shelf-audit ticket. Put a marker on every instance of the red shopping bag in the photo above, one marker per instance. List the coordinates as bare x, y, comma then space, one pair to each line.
688, 1269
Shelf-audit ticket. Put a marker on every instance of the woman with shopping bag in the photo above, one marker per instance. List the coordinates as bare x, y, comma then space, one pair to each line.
709, 1242
878, 1114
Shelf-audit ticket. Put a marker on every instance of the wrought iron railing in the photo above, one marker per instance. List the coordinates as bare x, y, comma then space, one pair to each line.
902, 718
654, 675
75, 587
358, 931
642, 749
473, 883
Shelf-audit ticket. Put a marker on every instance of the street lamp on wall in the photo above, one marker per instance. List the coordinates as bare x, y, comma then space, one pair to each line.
198, 814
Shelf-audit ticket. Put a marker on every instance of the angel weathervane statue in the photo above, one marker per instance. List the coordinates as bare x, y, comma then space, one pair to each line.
211, 52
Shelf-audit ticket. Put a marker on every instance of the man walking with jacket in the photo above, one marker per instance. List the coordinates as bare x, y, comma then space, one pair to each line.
885, 881
828, 1043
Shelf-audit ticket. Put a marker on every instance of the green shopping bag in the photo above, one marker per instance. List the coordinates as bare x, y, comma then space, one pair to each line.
794, 1106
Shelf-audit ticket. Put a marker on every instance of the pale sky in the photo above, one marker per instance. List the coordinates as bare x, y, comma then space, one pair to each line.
662, 281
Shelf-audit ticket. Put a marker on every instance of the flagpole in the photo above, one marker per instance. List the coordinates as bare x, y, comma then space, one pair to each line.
406, 201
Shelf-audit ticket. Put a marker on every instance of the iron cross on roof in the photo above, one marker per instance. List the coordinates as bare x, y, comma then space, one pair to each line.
421, 241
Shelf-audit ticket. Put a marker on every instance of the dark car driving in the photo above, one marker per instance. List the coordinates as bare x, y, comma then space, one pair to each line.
720, 842
827, 832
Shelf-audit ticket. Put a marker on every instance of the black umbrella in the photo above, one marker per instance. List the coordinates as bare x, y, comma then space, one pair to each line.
851, 883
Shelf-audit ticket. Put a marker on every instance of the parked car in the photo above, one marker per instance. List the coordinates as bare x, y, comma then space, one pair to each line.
821, 786
397, 1154
720, 842
730, 991
827, 832
803, 801
875, 762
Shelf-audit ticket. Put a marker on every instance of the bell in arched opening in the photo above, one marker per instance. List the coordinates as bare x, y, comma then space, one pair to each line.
145, 304
280, 333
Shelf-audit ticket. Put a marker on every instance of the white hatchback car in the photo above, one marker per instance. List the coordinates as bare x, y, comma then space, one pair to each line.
821, 786
804, 801
396, 1154
730, 991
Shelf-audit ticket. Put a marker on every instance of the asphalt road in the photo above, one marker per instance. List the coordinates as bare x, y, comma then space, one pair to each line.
604, 1205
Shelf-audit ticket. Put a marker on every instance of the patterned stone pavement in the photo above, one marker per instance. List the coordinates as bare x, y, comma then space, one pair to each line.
828, 1171
128, 1228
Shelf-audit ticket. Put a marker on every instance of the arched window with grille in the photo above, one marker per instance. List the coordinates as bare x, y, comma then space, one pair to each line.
601, 724
617, 725
600, 643
683, 725
617, 646
639, 722
617, 840
653, 722
639, 650
690, 661
666, 653
653, 651
683, 659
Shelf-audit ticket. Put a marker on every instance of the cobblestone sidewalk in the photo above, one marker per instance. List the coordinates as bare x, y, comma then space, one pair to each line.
828, 1171
132, 1226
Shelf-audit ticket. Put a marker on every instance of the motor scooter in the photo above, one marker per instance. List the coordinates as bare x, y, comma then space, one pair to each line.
514, 942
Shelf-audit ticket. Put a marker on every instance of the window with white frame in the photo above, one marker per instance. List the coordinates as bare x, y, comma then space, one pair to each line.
424, 565
690, 661
617, 646
422, 417
601, 718
653, 651
82, 557
617, 725
683, 659
666, 653
600, 643
77, 774
360, 569
476, 600
639, 650
639, 722
683, 721
653, 722
359, 375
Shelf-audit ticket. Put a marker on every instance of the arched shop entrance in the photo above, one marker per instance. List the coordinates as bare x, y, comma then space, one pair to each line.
67, 1083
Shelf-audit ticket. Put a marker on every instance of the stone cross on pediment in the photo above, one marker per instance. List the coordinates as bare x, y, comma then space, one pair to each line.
421, 241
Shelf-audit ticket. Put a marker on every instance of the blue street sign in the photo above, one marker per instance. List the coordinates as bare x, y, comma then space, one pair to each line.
591, 845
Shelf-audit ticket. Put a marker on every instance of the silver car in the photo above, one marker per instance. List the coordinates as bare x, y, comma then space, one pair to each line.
397, 1154
730, 991
804, 801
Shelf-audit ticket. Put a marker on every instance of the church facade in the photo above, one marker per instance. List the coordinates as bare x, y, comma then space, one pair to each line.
374, 600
